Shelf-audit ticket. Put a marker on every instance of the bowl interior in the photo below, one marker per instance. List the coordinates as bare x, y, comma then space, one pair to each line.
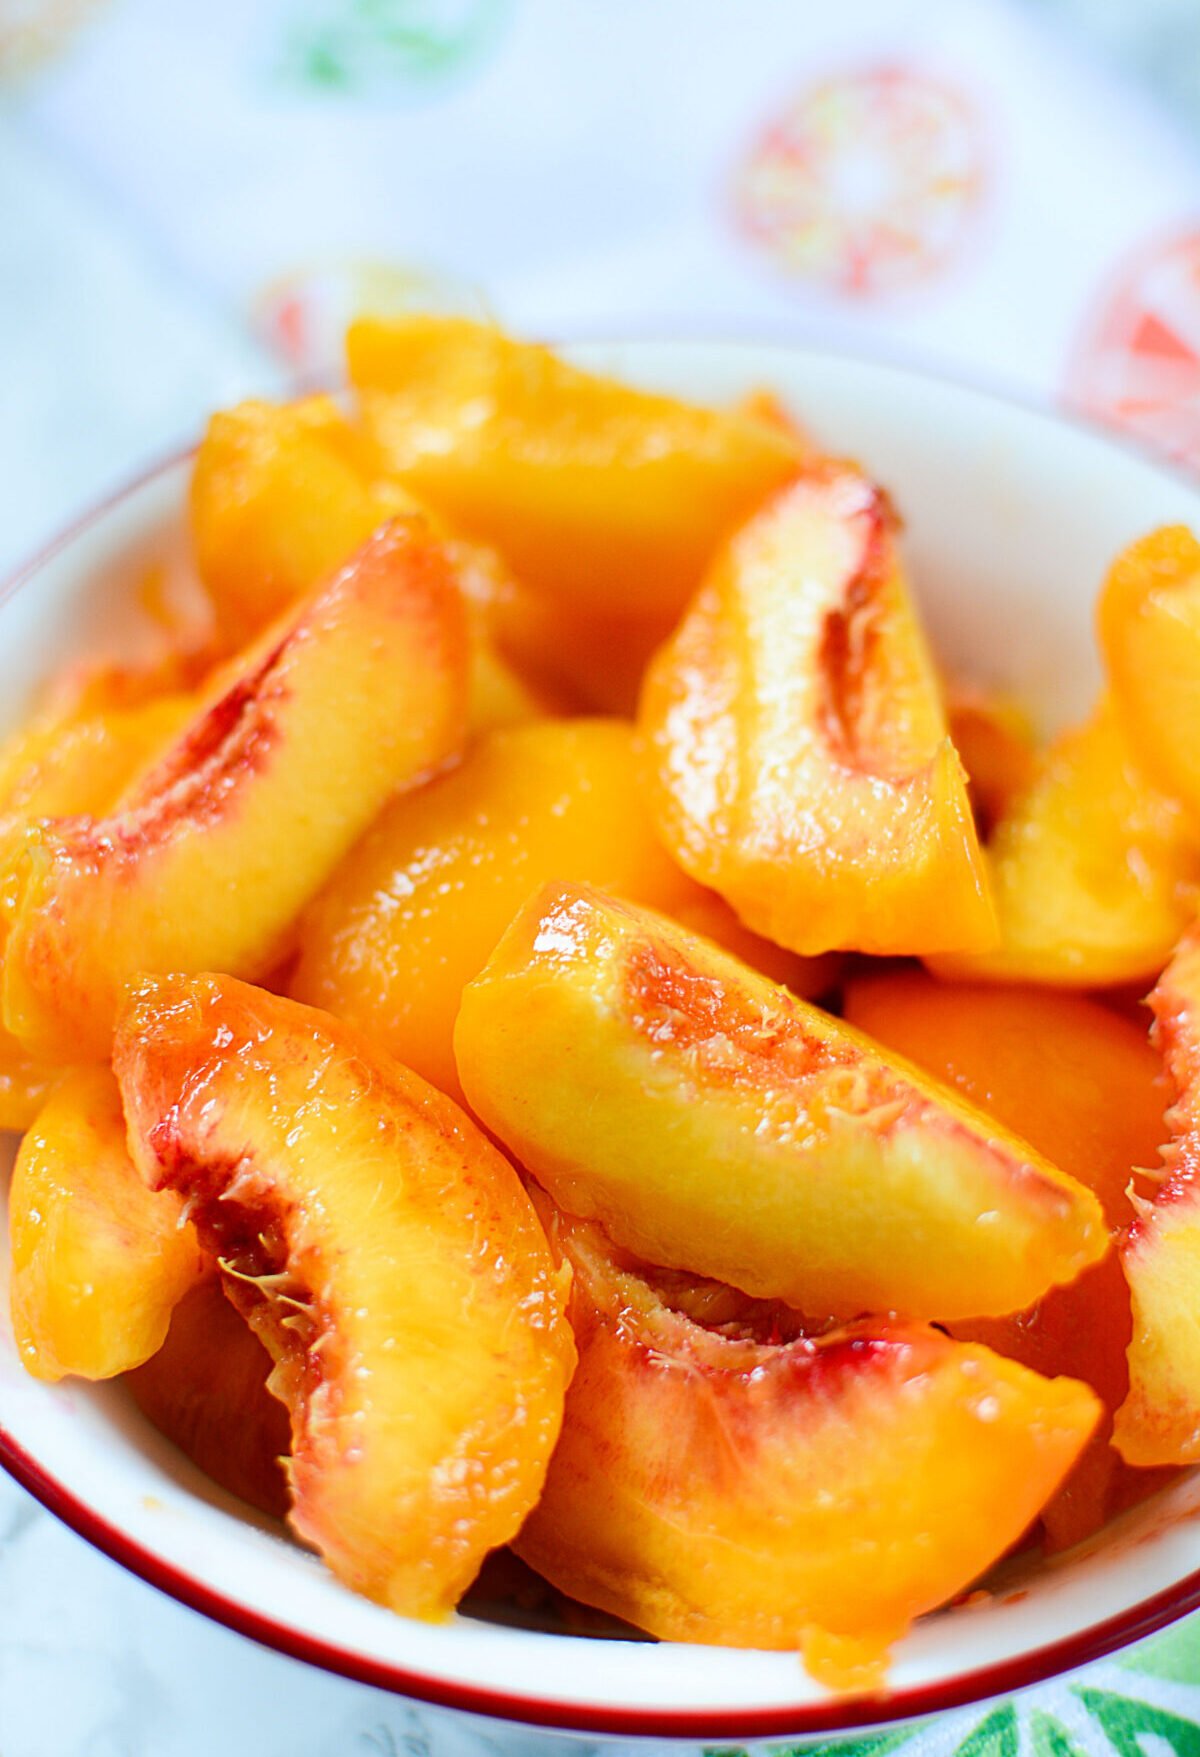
1011, 518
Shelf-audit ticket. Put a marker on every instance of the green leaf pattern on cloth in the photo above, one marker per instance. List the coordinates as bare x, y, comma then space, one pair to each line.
387, 47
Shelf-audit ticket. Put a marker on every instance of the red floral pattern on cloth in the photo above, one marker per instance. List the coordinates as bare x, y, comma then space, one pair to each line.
1136, 365
866, 183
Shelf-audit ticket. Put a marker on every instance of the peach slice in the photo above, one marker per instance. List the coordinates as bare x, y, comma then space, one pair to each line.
385, 1254
712, 1122
1159, 1423
416, 910
732, 1480
597, 496
994, 737
1149, 624
67, 760
1083, 1085
799, 760
98, 1260
282, 495
208, 861
206, 1391
1094, 871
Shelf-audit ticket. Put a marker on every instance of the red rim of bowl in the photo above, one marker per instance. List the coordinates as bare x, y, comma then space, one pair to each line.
835, 1714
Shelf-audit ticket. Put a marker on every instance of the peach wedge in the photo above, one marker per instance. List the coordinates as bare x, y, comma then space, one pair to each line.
416, 909
388, 1258
723, 1477
1094, 870
598, 496
98, 1260
1149, 621
1159, 1423
714, 1123
209, 859
799, 761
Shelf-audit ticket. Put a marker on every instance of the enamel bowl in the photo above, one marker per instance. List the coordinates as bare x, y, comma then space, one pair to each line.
1012, 517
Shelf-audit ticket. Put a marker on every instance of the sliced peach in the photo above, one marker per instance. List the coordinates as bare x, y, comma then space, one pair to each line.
994, 737
712, 1122
1149, 622
206, 1391
1082, 1085
799, 761
282, 495
63, 761
736, 1482
210, 859
596, 495
1159, 1423
98, 1260
416, 910
385, 1254
1094, 871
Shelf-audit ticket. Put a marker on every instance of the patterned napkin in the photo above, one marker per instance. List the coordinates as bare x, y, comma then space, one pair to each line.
196, 195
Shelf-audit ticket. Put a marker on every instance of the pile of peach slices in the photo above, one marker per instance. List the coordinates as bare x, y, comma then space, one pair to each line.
408, 993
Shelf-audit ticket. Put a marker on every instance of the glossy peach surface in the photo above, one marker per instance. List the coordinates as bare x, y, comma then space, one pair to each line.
595, 494
385, 1254
1149, 624
1160, 1420
724, 1478
798, 759
98, 1260
1093, 869
208, 860
206, 1391
1084, 1087
712, 1122
416, 910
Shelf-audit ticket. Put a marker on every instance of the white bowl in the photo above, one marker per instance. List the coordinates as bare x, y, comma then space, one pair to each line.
1012, 516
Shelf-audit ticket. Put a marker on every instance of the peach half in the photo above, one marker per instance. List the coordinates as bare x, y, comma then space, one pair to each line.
598, 496
712, 1122
98, 1260
1159, 1423
723, 1477
798, 757
385, 1254
208, 860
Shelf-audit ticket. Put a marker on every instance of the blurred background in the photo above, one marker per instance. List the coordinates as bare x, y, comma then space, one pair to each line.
196, 194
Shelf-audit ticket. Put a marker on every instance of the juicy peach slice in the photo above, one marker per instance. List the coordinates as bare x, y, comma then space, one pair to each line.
416, 910
206, 1391
209, 860
596, 495
799, 761
994, 737
1082, 1085
712, 1122
284, 494
1149, 622
281, 496
1159, 1423
1094, 871
385, 1254
56, 767
98, 1260
714, 1483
